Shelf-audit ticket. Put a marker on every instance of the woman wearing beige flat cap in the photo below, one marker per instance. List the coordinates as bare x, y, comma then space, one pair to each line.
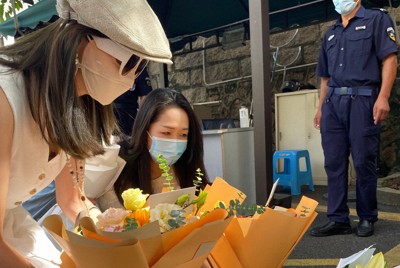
56, 87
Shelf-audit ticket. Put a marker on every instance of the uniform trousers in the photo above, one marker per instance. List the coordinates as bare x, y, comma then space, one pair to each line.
347, 126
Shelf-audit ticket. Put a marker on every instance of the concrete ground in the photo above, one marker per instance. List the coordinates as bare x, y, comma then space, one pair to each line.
325, 252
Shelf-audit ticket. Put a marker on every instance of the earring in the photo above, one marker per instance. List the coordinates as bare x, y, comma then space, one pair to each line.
76, 64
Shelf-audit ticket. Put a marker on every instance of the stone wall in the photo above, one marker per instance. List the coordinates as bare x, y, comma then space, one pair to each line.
227, 77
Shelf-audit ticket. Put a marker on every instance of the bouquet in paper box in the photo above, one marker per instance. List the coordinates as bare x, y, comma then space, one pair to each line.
265, 239
161, 231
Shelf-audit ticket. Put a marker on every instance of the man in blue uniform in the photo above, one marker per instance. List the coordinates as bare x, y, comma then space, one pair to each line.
126, 105
357, 65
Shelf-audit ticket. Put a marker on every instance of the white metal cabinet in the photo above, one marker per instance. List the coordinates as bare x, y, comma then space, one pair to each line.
229, 154
294, 128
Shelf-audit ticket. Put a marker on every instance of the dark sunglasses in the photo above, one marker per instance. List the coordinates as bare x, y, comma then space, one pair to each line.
137, 63
125, 57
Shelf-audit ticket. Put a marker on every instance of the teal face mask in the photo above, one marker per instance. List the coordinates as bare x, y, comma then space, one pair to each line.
170, 149
344, 7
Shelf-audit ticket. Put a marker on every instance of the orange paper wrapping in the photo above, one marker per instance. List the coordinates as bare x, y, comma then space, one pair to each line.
187, 246
262, 241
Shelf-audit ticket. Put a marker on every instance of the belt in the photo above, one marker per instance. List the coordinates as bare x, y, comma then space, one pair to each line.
361, 91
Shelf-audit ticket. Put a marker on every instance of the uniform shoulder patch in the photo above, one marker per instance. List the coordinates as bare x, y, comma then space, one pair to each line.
380, 9
391, 34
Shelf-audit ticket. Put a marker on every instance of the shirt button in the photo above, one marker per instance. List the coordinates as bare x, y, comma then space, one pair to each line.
42, 176
342, 49
33, 191
18, 203
340, 65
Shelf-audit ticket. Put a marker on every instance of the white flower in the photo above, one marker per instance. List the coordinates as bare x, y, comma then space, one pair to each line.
162, 213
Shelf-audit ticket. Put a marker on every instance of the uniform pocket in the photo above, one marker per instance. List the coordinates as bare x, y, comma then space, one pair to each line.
331, 50
360, 43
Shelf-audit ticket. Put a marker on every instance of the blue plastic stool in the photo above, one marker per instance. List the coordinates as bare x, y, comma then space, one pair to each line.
290, 175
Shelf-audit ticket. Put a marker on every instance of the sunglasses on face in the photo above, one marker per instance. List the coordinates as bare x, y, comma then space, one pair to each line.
126, 58
135, 63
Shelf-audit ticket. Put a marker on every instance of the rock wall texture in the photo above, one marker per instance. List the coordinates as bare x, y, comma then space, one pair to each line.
222, 75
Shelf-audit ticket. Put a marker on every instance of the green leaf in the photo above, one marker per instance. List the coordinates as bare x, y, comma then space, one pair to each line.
1, 13
18, 5
131, 224
162, 164
175, 213
182, 199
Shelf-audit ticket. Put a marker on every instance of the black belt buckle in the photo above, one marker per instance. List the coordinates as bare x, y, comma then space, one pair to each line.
343, 91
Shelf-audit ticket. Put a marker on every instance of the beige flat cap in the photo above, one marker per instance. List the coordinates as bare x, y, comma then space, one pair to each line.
131, 23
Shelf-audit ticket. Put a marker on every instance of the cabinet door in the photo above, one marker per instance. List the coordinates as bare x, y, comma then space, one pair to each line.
294, 114
238, 159
213, 155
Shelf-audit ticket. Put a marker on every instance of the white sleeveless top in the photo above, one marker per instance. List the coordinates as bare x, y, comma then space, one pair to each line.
30, 169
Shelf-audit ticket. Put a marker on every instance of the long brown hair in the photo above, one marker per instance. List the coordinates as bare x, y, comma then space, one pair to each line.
46, 58
136, 173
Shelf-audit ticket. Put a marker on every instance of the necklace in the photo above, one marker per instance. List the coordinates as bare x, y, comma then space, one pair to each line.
78, 176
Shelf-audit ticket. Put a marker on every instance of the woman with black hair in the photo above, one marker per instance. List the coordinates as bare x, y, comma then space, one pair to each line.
166, 125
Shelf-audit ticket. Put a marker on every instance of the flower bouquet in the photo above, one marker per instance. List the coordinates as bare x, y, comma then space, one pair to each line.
159, 232
264, 239
363, 259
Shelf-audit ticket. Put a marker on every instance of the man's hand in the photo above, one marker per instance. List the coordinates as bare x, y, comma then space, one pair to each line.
381, 109
317, 119
389, 71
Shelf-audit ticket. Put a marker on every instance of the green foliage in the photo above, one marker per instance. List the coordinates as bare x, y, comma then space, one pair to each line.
200, 200
198, 178
183, 200
241, 210
6, 9
131, 224
162, 164
177, 219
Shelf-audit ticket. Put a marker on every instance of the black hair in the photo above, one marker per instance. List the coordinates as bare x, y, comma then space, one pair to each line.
136, 173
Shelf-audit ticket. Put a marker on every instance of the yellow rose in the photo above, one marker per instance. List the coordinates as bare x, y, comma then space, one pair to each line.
134, 199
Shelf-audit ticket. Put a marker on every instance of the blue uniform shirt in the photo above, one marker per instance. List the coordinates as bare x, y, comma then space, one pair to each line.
352, 56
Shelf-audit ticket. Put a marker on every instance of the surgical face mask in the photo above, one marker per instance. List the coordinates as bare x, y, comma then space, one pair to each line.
344, 7
107, 70
170, 149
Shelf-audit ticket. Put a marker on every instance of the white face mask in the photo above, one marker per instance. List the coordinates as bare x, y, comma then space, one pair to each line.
344, 7
102, 72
